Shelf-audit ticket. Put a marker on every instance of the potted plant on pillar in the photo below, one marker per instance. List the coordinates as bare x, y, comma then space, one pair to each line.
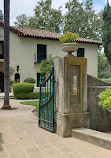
69, 44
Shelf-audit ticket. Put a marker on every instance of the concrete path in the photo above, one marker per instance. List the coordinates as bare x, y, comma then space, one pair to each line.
20, 137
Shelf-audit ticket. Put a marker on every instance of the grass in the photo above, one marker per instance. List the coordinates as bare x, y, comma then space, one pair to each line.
33, 103
107, 80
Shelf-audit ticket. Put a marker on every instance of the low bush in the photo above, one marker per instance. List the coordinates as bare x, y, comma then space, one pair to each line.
12, 82
31, 95
34, 95
22, 88
22, 96
105, 99
29, 80
68, 37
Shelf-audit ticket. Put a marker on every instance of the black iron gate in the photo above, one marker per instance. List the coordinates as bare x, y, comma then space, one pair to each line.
46, 101
1, 82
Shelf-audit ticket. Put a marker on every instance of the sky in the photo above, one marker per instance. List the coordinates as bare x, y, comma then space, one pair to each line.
18, 7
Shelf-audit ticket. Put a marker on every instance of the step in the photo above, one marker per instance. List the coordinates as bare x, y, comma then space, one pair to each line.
11, 96
92, 136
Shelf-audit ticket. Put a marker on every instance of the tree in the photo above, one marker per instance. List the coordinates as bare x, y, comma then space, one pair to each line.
1, 15
45, 17
22, 21
106, 36
6, 104
92, 21
74, 16
104, 68
82, 19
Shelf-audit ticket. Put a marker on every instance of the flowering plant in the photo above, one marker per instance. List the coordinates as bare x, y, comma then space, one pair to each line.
68, 37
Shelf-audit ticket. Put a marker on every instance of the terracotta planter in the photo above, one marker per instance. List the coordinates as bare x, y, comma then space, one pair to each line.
69, 48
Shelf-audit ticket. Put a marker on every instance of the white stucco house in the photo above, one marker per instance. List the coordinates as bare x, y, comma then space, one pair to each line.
29, 46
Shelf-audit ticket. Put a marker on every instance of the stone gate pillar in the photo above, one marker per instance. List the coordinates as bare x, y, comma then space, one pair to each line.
71, 94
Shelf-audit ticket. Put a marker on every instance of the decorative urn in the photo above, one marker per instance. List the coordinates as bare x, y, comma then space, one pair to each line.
69, 48
68, 41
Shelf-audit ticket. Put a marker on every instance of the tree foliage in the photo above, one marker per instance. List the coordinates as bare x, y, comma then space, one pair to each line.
1, 16
22, 21
68, 37
104, 68
105, 99
45, 17
46, 65
82, 19
106, 36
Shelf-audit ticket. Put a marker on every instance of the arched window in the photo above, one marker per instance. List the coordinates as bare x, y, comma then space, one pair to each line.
17, 77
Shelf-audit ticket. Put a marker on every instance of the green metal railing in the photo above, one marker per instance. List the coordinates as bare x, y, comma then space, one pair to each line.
46, 101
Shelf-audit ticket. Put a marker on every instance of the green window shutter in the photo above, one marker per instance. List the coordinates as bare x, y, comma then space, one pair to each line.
80, 52
41, 52
38, 79
1, 51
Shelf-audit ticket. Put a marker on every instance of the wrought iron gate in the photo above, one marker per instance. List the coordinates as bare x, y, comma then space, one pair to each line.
46, 101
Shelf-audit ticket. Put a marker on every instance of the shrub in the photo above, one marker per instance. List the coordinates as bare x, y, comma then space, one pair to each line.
12, 82
22, 96
34, 95
22, 88
31, 95
68, 37
46, 65
29, 80
105, 99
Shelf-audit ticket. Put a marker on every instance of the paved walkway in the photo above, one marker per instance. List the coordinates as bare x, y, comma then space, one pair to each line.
20, 137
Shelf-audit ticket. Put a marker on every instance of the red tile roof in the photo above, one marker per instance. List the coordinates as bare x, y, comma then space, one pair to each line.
38, 33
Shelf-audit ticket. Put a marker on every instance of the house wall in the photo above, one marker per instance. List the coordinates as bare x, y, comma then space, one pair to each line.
22, 51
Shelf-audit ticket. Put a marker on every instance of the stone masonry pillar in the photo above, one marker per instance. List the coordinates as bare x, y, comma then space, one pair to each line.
71, 94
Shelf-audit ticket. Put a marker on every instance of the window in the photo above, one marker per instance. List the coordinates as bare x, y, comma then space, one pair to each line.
1, 82
41, 52
1, 51
80, 52
38, 79
17, 77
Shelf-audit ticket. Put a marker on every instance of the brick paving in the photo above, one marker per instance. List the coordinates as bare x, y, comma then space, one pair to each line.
20, 137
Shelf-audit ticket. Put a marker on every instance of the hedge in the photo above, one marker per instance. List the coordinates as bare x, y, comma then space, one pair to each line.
24, 91
32, 95
22, 88
29, 80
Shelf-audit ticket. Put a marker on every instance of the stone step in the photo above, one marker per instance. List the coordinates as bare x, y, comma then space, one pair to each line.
92, 136
10, 95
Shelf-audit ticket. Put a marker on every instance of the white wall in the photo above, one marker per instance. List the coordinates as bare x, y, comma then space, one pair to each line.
22, 51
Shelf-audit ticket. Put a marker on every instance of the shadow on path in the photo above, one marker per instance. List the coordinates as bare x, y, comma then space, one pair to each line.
1, 142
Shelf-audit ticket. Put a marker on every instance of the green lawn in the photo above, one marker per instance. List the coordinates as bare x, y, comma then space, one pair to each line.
34, 103
107, 80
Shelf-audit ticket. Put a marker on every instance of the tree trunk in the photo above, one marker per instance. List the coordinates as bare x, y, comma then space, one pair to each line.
6, 104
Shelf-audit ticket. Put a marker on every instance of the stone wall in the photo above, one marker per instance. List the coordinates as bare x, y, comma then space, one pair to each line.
100, 119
